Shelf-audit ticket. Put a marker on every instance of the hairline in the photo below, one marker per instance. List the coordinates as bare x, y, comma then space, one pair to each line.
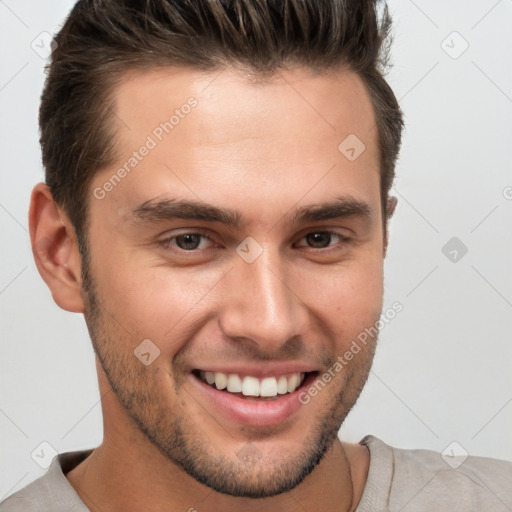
108, 100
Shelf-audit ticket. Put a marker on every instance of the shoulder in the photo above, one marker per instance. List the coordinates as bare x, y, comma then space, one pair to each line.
34, 497
424, 480
51, 491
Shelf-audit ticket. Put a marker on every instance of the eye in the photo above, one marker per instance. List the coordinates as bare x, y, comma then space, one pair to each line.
187, 242
322, 239
197, 241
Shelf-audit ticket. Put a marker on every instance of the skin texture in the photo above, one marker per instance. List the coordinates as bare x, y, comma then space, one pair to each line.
264, 148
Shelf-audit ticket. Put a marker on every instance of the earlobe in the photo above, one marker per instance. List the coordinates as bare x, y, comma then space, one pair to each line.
55, 249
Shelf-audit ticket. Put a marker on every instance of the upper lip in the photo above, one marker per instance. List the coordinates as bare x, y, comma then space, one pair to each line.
257, 370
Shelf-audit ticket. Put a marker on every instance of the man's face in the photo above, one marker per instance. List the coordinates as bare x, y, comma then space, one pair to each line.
288, 300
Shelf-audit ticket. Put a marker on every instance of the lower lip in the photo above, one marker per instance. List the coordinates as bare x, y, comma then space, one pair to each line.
255, 413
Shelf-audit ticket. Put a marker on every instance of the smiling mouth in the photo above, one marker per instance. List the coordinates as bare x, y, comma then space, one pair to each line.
250, 387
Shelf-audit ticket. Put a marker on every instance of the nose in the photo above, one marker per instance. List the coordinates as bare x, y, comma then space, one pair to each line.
261, 306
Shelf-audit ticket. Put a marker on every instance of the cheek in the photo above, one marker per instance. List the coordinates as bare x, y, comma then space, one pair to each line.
150, 301
349, 294
362, 297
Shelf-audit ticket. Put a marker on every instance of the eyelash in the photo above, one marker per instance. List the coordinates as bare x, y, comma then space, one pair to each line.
166, 243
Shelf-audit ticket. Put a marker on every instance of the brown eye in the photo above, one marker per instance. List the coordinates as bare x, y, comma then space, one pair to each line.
319, 239
322, 239
188, 242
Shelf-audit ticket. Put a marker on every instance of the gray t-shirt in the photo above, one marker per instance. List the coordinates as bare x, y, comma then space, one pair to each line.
398, 480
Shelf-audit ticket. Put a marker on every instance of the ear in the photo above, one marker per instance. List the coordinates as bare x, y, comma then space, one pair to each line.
391, 206
390, 210
55, 249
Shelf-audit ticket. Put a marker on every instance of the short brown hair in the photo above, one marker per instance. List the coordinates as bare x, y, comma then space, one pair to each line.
103, 39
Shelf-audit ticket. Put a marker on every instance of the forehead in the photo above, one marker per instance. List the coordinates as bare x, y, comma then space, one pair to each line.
213, 134
290, 102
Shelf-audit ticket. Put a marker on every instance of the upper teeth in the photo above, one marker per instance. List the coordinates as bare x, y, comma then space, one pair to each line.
252, 386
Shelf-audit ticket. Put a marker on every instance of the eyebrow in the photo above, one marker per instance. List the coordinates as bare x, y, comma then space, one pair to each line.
157, 210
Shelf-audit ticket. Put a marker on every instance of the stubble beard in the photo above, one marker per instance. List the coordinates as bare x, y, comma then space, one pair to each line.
180, 440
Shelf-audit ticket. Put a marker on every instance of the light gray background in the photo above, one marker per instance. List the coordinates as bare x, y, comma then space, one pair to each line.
442, 371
